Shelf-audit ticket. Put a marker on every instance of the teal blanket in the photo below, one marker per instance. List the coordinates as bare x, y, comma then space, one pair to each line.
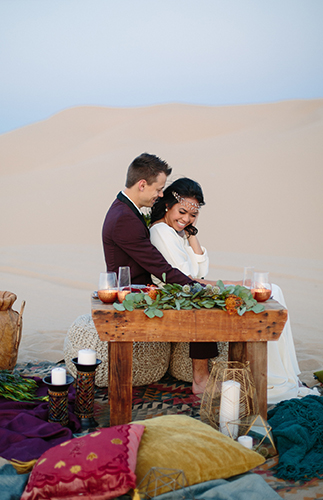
247, 486
297, 426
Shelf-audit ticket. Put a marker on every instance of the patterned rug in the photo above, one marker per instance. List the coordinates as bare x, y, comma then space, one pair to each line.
171, 396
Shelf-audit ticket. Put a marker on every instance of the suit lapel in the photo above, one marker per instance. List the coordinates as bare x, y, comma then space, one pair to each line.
124, 199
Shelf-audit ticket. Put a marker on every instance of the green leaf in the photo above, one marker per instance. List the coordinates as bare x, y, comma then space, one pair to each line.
258, 308
131, 296
241, 310
159, 313
220, 303
250, 303
178, 304
139, 297
164, 277
118, 307
164, 299
129, 306
220, 284
150, 312
149, 300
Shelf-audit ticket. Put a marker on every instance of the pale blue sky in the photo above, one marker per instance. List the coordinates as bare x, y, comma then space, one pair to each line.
55, 54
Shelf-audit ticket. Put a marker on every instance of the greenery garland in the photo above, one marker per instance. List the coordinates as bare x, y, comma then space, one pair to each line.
232, 298
14, 386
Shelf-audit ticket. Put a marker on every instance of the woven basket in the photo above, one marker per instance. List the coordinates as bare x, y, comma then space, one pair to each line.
150, 359
180, 365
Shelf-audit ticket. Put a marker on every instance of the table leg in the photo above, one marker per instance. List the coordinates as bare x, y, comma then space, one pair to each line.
120, 382
256, 354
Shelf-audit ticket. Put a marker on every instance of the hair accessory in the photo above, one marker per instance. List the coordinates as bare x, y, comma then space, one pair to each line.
185, 202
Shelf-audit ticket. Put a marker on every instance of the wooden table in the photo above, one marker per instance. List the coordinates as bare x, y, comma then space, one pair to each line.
247, 336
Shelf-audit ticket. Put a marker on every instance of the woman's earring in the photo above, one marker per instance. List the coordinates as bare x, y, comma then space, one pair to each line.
166, 209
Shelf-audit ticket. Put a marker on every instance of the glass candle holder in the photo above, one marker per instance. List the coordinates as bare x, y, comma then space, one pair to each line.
108, 287
261, 288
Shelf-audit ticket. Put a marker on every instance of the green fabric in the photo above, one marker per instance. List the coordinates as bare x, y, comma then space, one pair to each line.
297, 426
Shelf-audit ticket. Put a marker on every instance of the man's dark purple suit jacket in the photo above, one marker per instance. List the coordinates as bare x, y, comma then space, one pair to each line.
126, 242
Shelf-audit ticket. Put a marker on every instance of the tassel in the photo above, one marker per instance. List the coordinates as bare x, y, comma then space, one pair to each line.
22, 467
136, 495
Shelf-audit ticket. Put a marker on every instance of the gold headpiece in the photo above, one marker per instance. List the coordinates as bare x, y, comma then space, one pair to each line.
185, 202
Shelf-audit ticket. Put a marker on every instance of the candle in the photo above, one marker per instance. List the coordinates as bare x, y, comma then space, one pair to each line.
229, 407
87, 357
107, 296
261, 294
58, 376
246, 441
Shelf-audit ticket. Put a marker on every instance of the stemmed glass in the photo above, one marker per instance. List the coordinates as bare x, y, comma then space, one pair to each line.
248, 277
261, 288
124, 281
108, 287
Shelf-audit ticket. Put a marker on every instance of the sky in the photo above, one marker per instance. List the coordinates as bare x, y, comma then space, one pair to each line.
57, 54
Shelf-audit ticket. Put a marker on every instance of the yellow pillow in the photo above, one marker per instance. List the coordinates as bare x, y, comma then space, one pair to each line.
182, 442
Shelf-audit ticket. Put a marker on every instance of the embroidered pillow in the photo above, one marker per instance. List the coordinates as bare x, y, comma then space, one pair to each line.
100, 465
203, 453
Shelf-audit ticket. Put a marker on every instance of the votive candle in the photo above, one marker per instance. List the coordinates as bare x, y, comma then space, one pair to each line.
58, 376
86, 357
246, 441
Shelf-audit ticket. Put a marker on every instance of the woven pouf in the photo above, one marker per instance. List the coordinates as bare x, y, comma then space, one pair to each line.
150, 359
180, 365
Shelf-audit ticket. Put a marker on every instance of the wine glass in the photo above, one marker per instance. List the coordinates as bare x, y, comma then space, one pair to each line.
124, 280
248, 277
108, 287
261, 288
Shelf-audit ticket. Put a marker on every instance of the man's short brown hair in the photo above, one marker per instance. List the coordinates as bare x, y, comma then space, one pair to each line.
146, 167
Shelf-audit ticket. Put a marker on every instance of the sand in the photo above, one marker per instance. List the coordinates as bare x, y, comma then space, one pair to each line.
260, 169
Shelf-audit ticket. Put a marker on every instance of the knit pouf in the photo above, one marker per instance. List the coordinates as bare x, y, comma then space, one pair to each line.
180, 365
150, 359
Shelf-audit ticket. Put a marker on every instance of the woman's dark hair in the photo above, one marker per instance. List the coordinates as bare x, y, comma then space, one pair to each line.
184, 187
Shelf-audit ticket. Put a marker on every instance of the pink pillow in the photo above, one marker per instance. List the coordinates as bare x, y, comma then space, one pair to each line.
98, 466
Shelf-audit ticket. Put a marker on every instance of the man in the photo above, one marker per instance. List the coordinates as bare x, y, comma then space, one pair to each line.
126, 240
125, 235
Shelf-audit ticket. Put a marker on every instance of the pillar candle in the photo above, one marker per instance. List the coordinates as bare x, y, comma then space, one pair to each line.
246, 441
229, 407
86, 357
58, 376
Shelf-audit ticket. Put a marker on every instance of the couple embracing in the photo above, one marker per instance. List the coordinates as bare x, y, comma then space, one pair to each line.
170, 246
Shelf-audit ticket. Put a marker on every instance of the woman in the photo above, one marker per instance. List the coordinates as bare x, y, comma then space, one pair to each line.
173, 232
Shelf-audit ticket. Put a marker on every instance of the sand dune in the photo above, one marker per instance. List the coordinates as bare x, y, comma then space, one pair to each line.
260, 168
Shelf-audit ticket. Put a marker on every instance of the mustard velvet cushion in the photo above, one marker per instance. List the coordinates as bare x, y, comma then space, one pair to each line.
182, 442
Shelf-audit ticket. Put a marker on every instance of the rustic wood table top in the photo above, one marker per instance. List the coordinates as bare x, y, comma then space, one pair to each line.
195, 325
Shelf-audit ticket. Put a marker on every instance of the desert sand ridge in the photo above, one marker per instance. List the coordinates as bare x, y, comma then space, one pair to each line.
260, 167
